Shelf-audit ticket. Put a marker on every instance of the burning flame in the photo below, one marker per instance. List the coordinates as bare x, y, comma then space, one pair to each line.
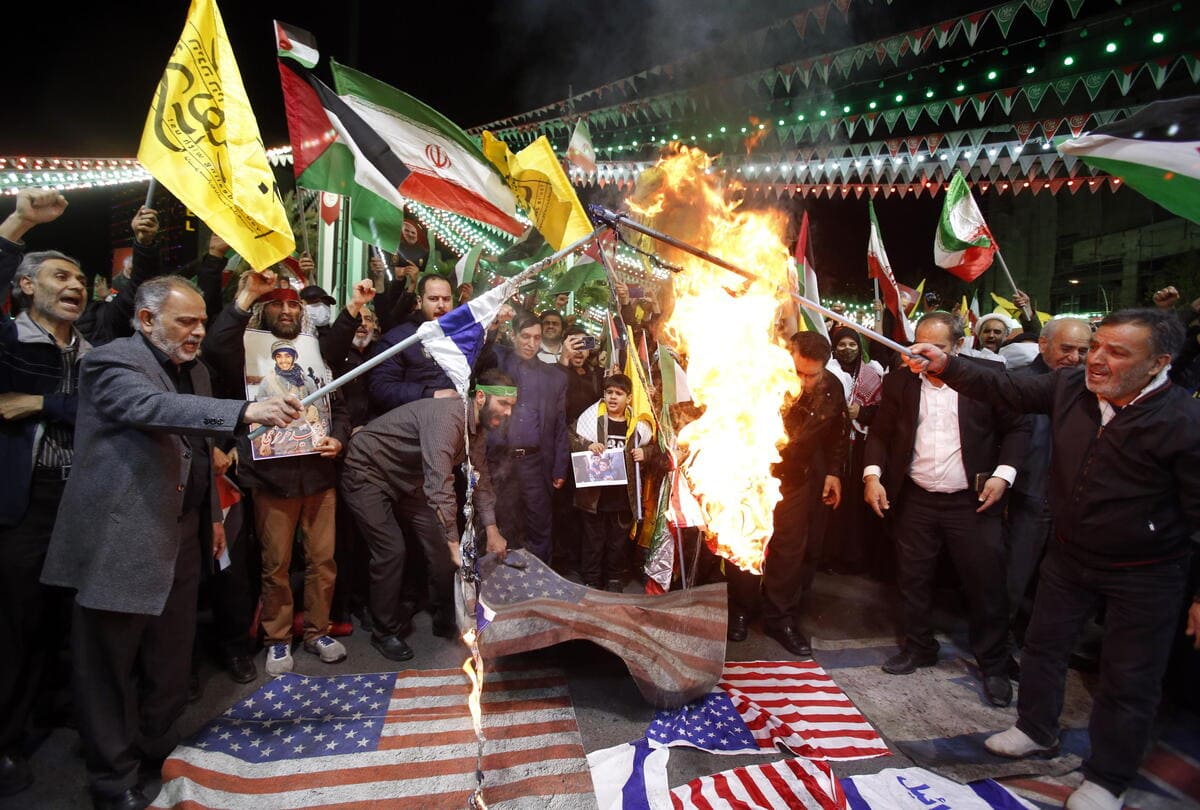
739, 368
473, 667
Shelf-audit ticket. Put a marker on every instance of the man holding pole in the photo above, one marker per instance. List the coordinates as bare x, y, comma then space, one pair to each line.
1124, 489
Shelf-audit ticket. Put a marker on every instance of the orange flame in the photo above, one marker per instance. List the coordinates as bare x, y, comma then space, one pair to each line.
739, 368
473, 667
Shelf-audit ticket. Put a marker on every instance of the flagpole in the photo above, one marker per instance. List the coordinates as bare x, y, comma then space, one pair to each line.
1003, 266
392, 351
614, 219
150, 193
300, 218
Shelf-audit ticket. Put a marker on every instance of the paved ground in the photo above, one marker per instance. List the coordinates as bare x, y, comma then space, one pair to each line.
607, 704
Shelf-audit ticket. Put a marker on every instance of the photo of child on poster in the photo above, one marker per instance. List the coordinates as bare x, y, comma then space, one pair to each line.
293, 367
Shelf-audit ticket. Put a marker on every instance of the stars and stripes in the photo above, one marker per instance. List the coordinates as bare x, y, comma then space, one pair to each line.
794, 783
761, 704
395, 740
673, 644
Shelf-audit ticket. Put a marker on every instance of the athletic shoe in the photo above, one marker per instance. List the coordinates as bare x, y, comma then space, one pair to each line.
330, 650
279, 659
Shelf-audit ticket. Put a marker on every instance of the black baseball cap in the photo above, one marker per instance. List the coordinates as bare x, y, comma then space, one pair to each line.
314, 293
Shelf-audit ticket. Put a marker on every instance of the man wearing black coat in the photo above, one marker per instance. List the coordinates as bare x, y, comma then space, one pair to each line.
948, 462
1125, 497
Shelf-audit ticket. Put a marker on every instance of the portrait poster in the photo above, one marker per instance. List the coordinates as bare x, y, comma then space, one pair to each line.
278, 367
605, 469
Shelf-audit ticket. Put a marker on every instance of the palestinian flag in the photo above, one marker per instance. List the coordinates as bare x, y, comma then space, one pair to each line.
804, 281
447, 169
296, 43
334, 150
880, 268
962, 245
1156, 151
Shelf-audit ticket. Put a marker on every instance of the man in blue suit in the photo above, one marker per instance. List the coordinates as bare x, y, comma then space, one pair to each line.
529, 455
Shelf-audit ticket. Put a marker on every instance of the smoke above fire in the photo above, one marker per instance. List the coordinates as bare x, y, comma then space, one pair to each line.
724, 326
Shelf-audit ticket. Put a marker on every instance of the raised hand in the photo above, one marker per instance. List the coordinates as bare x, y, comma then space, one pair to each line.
145, 225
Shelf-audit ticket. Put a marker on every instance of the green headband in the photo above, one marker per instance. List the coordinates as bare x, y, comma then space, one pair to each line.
498, 390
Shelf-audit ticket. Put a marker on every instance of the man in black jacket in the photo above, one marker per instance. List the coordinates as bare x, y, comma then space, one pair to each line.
817, 426
1125, 496
948, 461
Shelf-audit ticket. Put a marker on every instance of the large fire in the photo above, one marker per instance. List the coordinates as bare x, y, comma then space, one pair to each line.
724, 326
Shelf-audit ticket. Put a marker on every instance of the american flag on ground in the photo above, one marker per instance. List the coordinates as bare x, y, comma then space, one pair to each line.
759, 704
793, 783
673, 644
386, 740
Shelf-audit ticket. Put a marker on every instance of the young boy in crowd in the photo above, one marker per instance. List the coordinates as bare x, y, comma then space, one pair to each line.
608, 510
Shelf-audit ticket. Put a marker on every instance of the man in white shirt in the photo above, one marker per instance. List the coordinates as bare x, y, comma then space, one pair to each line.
948, 462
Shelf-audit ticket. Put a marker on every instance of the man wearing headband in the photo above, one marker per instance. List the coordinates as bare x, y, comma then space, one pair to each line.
398, 480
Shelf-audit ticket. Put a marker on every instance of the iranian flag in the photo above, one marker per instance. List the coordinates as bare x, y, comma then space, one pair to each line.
579, 150
446, 168
963, 245
1156, 151
879, 267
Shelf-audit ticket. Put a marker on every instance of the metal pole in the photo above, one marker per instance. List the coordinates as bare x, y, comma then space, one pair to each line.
614, 219
1013, 284
392, 351
303, 222
150, 193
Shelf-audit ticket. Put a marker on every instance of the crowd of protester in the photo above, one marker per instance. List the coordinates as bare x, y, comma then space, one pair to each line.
1059, 497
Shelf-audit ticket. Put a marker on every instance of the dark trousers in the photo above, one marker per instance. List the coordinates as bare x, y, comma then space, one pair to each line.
788, 569
233, 591
1027, 529
605, 535
524, 509
34, 618
926, 521
1142, 608
383, 520
131, 675
353, 562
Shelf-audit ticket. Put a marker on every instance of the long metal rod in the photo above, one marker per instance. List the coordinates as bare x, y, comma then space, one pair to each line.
392, 351
615, 219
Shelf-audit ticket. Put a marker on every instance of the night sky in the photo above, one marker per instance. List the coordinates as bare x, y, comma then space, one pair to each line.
80, 85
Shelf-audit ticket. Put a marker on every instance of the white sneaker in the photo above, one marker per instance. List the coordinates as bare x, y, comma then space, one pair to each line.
1090, 796
1016, 744
330, 649
279, 658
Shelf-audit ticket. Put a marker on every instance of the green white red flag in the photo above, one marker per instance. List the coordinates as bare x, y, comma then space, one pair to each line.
579, 150
963, 246
446, 168
1156, 151
879, 267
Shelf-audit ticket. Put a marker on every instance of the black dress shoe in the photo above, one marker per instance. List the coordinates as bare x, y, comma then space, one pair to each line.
998, 689
392, 647
445, 629
792, 639
1013, 669
131, 799
241, 668
905, 662
15, 774
737, 629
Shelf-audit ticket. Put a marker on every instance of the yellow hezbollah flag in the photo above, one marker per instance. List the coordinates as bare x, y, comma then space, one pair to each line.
1006, 307
202, 143
542, 189
639, 401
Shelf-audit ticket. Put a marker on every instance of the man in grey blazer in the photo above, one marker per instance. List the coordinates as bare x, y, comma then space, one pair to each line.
142, 460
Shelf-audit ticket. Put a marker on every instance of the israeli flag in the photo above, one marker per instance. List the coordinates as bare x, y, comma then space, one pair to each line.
455, 339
